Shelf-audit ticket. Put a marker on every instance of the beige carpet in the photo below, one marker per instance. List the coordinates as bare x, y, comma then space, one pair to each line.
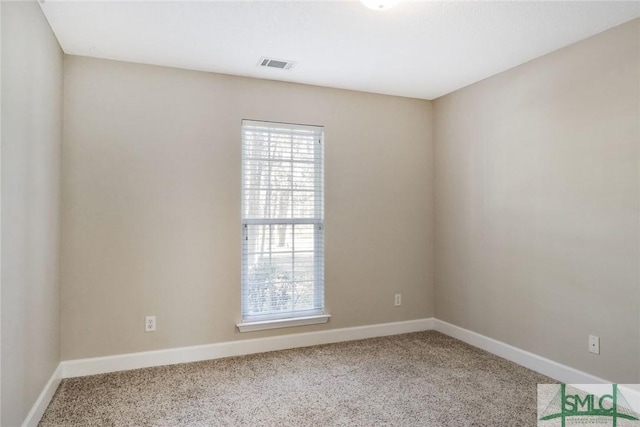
419, 379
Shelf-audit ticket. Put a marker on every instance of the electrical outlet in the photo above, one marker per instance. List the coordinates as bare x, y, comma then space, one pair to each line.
594, 344
398, 300
150, 324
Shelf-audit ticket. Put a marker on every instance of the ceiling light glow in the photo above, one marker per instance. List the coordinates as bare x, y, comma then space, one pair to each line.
379, 4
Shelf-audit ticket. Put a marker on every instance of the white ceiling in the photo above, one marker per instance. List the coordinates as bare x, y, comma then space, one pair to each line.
417, 49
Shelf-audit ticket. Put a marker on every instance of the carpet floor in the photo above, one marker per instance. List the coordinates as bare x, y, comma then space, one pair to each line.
418, 379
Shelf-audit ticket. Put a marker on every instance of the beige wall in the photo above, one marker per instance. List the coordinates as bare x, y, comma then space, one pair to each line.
537, 210
31, 139
151, 204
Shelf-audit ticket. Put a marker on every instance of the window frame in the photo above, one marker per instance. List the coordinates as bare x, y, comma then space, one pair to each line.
252, 322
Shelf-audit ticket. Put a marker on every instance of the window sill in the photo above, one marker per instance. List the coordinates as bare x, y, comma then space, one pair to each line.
283, 323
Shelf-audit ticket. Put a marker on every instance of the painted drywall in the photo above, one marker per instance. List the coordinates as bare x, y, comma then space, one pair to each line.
537, 205
0, 212
151, 204
32, 67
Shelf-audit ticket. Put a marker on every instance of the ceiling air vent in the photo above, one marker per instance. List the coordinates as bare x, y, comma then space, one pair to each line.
276, 63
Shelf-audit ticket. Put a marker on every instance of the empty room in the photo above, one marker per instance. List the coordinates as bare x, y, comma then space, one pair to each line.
320, 213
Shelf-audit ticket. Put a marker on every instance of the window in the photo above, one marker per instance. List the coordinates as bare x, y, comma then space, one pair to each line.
282, 223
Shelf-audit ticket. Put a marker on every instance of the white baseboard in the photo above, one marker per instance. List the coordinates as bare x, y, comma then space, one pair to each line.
101, 365
38, 408
524, 358
122, 362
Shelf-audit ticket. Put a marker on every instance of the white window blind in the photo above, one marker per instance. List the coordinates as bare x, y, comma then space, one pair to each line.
282, 220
